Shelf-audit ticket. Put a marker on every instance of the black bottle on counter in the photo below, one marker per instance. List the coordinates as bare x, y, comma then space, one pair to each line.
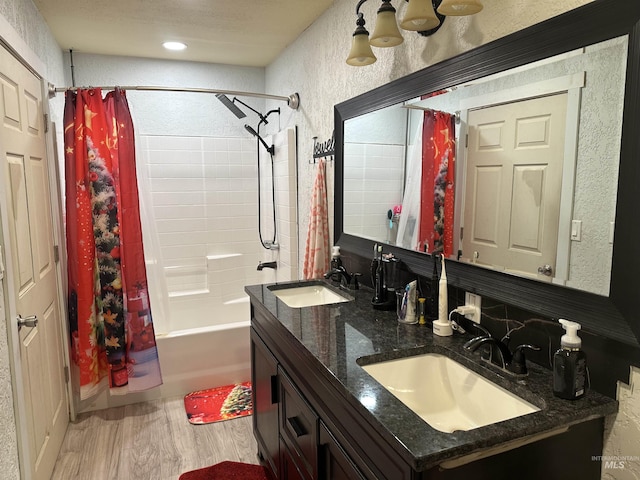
380, 292
569, 364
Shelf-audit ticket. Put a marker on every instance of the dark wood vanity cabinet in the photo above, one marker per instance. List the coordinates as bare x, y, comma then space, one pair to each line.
298, 427
289, 468
306, 429
292, 439
293, 442
264, 378
333, 461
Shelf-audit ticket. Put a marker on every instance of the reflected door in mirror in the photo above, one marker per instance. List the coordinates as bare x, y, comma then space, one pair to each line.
514, 178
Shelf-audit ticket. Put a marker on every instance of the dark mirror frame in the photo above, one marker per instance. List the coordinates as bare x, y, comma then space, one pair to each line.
615, 316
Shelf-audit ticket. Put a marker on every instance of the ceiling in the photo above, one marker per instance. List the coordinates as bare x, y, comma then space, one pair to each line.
234, 32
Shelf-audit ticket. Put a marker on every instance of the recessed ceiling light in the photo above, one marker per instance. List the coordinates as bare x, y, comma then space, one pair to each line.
174, 45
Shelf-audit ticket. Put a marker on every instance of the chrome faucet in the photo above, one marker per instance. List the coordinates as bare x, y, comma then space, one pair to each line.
262, 265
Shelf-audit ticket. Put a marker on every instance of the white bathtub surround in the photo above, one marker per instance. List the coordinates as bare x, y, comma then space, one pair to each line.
203, 211
202, 242
203, 248
365, 210
286, 191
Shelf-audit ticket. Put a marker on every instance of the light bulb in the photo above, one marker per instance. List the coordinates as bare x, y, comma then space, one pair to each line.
176, 46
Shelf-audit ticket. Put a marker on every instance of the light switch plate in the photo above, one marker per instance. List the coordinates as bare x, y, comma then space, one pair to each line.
612, 227
576, 230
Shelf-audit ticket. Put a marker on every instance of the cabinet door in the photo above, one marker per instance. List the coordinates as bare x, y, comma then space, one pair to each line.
334, 462
289, 468
264, 378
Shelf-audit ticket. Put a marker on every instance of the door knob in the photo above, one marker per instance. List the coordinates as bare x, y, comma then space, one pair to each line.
30, 321
545, 270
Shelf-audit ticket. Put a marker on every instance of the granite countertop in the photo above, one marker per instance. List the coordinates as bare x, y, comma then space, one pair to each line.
343, 336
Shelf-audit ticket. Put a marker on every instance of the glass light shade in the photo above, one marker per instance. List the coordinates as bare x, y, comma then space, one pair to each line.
386, 33
419, 16
459, 7
361, 53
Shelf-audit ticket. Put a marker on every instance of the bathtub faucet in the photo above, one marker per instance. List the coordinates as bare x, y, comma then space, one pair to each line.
261, 265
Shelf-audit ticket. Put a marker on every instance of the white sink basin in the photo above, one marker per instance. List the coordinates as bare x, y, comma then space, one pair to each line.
447, 395
308, 295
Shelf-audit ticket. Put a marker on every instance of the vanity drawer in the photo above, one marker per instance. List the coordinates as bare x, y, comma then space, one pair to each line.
298, 426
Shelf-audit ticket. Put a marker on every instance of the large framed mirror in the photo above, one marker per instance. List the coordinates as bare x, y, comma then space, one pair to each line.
585, 65
503, 172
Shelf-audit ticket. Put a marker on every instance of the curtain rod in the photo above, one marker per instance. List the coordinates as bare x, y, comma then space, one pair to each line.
293, 100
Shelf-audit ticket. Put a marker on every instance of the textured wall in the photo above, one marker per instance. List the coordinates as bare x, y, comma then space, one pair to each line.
315, 64
621, 453
9, 454
172, 113
22, 26
315, 67
28, 25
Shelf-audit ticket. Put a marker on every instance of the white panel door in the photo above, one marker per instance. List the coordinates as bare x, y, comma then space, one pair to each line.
35, 285
514, 176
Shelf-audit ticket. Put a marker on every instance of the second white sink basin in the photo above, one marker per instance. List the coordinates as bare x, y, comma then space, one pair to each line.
447, 395
308, 295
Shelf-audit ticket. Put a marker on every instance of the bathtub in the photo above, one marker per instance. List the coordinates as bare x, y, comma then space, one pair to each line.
194, 358
202, 328
209, 356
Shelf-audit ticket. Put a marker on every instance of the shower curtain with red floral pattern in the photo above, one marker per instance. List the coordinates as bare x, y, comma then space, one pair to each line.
437, 188
110, 319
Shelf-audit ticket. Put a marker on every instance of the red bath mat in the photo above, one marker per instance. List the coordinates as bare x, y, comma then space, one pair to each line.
227, 471
219, 403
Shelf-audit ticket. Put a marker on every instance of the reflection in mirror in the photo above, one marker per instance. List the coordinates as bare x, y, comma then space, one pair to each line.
528, 189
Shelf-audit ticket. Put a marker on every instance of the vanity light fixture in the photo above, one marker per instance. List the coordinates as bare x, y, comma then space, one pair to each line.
422, 16
386, 33
459, 7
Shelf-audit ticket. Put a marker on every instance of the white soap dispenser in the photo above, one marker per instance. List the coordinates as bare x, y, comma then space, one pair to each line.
442, 326
336, 262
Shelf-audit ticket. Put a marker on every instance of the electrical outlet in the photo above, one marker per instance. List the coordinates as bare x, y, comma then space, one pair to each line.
475, 301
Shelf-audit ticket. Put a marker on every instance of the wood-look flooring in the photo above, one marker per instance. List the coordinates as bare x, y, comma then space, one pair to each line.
149, 441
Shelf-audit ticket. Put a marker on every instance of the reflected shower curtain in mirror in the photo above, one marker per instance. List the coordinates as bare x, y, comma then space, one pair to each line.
409, 224
110, 321
437, 189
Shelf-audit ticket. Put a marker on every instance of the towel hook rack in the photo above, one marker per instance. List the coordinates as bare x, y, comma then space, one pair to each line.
324, 149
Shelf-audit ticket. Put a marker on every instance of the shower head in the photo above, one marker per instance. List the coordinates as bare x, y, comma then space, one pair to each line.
250, 129
230, 105
270, 149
